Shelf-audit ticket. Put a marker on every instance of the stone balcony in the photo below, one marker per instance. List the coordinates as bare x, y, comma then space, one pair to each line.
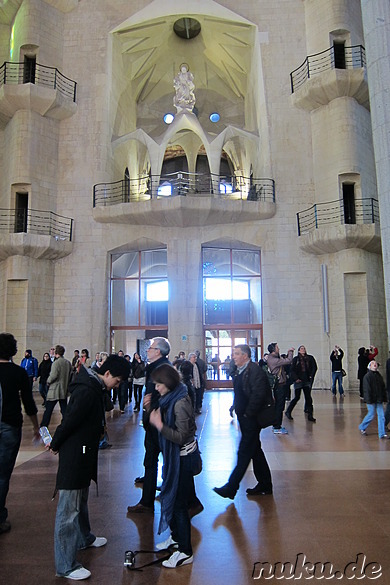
328, 227
318, 80
35, 234
44, 90
183, 201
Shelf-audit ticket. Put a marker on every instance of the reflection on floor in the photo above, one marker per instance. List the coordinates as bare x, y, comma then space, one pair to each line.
330, 503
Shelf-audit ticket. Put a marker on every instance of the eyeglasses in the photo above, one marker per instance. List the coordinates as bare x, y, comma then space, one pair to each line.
152, 348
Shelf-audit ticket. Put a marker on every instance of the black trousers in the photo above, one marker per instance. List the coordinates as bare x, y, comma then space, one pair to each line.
250, 450
280, 393
308, 399
152, 451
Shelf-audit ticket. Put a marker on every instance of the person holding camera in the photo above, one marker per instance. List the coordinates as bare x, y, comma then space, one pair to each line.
336, 357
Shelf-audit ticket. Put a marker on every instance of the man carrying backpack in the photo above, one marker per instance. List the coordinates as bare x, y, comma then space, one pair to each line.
276, 368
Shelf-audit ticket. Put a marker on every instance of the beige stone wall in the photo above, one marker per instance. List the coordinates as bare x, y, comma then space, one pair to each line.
338, 16
68, 300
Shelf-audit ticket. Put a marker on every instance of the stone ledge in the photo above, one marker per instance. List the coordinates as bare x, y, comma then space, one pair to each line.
33, 246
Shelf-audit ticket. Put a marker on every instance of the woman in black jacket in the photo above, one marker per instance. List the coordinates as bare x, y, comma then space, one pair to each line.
303, 370
138, 372
43, 374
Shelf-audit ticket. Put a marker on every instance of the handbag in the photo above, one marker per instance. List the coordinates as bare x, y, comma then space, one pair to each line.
196, 461
343, 372
266, 416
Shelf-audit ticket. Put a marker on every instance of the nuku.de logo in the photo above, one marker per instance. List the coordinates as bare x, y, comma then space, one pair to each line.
302, 568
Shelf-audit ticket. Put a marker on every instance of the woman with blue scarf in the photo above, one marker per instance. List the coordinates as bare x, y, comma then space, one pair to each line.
175, 421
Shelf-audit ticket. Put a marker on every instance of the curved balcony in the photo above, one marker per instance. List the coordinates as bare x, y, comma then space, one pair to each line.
184, 199
45, 90
328, 75
330, 227
37, 234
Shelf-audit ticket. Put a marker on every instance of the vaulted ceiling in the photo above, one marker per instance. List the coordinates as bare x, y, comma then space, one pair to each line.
220, 58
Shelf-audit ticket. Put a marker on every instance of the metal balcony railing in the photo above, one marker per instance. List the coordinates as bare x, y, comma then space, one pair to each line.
19, 73
31, 221
182, 184
335, 213
350, 58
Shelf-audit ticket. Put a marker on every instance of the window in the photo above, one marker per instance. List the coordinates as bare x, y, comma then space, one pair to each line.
231, 286
139, 289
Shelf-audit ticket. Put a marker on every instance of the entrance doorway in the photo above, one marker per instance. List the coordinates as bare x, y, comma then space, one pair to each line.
219, 344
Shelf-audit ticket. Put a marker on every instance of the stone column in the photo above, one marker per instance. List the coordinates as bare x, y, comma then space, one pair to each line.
376, 24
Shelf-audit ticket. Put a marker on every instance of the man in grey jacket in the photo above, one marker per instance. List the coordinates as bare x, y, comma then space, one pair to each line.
57, 382
276, 366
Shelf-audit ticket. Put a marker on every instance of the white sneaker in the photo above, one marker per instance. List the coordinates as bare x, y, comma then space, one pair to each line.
79, 574
177, 560
98, 542
169, 542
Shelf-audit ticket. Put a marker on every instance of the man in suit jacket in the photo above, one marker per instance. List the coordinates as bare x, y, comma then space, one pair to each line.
251, 393
57, 382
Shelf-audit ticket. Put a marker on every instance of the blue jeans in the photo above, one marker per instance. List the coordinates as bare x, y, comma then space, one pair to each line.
72, 530
337, 376
10, 438
43, 389
371, 408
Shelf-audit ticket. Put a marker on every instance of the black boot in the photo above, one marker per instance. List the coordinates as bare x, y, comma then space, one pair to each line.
311, 418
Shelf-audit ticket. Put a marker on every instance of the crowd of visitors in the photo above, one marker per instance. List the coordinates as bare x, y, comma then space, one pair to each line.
173, 397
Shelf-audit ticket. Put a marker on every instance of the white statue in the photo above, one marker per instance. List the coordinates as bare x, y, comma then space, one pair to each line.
184, 86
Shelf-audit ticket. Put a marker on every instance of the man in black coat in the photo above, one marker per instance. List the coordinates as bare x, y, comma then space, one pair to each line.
251, 393
157, 354
76, 440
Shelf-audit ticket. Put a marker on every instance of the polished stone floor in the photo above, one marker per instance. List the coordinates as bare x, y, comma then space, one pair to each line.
330, 504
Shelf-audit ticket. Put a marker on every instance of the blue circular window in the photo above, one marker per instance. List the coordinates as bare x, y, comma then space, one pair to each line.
168, 118
215, 117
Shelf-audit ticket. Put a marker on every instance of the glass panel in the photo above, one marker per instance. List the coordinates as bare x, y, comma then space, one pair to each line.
154, 263
242, 302
211, 343
124, 302
225, 353
130, 341
216, 262
245, 262
255, 295
154, 302
217, 312
254, 342
125, 265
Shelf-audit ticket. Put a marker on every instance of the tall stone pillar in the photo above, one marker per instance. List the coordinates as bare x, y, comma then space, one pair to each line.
376, 25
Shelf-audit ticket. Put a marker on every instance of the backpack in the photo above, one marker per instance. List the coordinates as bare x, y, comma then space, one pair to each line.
272, 379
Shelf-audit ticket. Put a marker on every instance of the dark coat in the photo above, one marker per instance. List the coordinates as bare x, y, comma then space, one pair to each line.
255, 388
363, 362
374, 388
77, 437
306, 376
150, 387
44, 370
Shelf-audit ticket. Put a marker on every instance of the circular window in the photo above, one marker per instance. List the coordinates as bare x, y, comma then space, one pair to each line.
168, 118
215, 117
187, 28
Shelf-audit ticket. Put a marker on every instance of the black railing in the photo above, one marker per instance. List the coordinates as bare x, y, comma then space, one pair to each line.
352, 58
181, 184
363, 211
18, 73
31, 221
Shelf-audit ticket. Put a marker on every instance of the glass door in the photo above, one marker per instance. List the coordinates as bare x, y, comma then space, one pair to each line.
219, 344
